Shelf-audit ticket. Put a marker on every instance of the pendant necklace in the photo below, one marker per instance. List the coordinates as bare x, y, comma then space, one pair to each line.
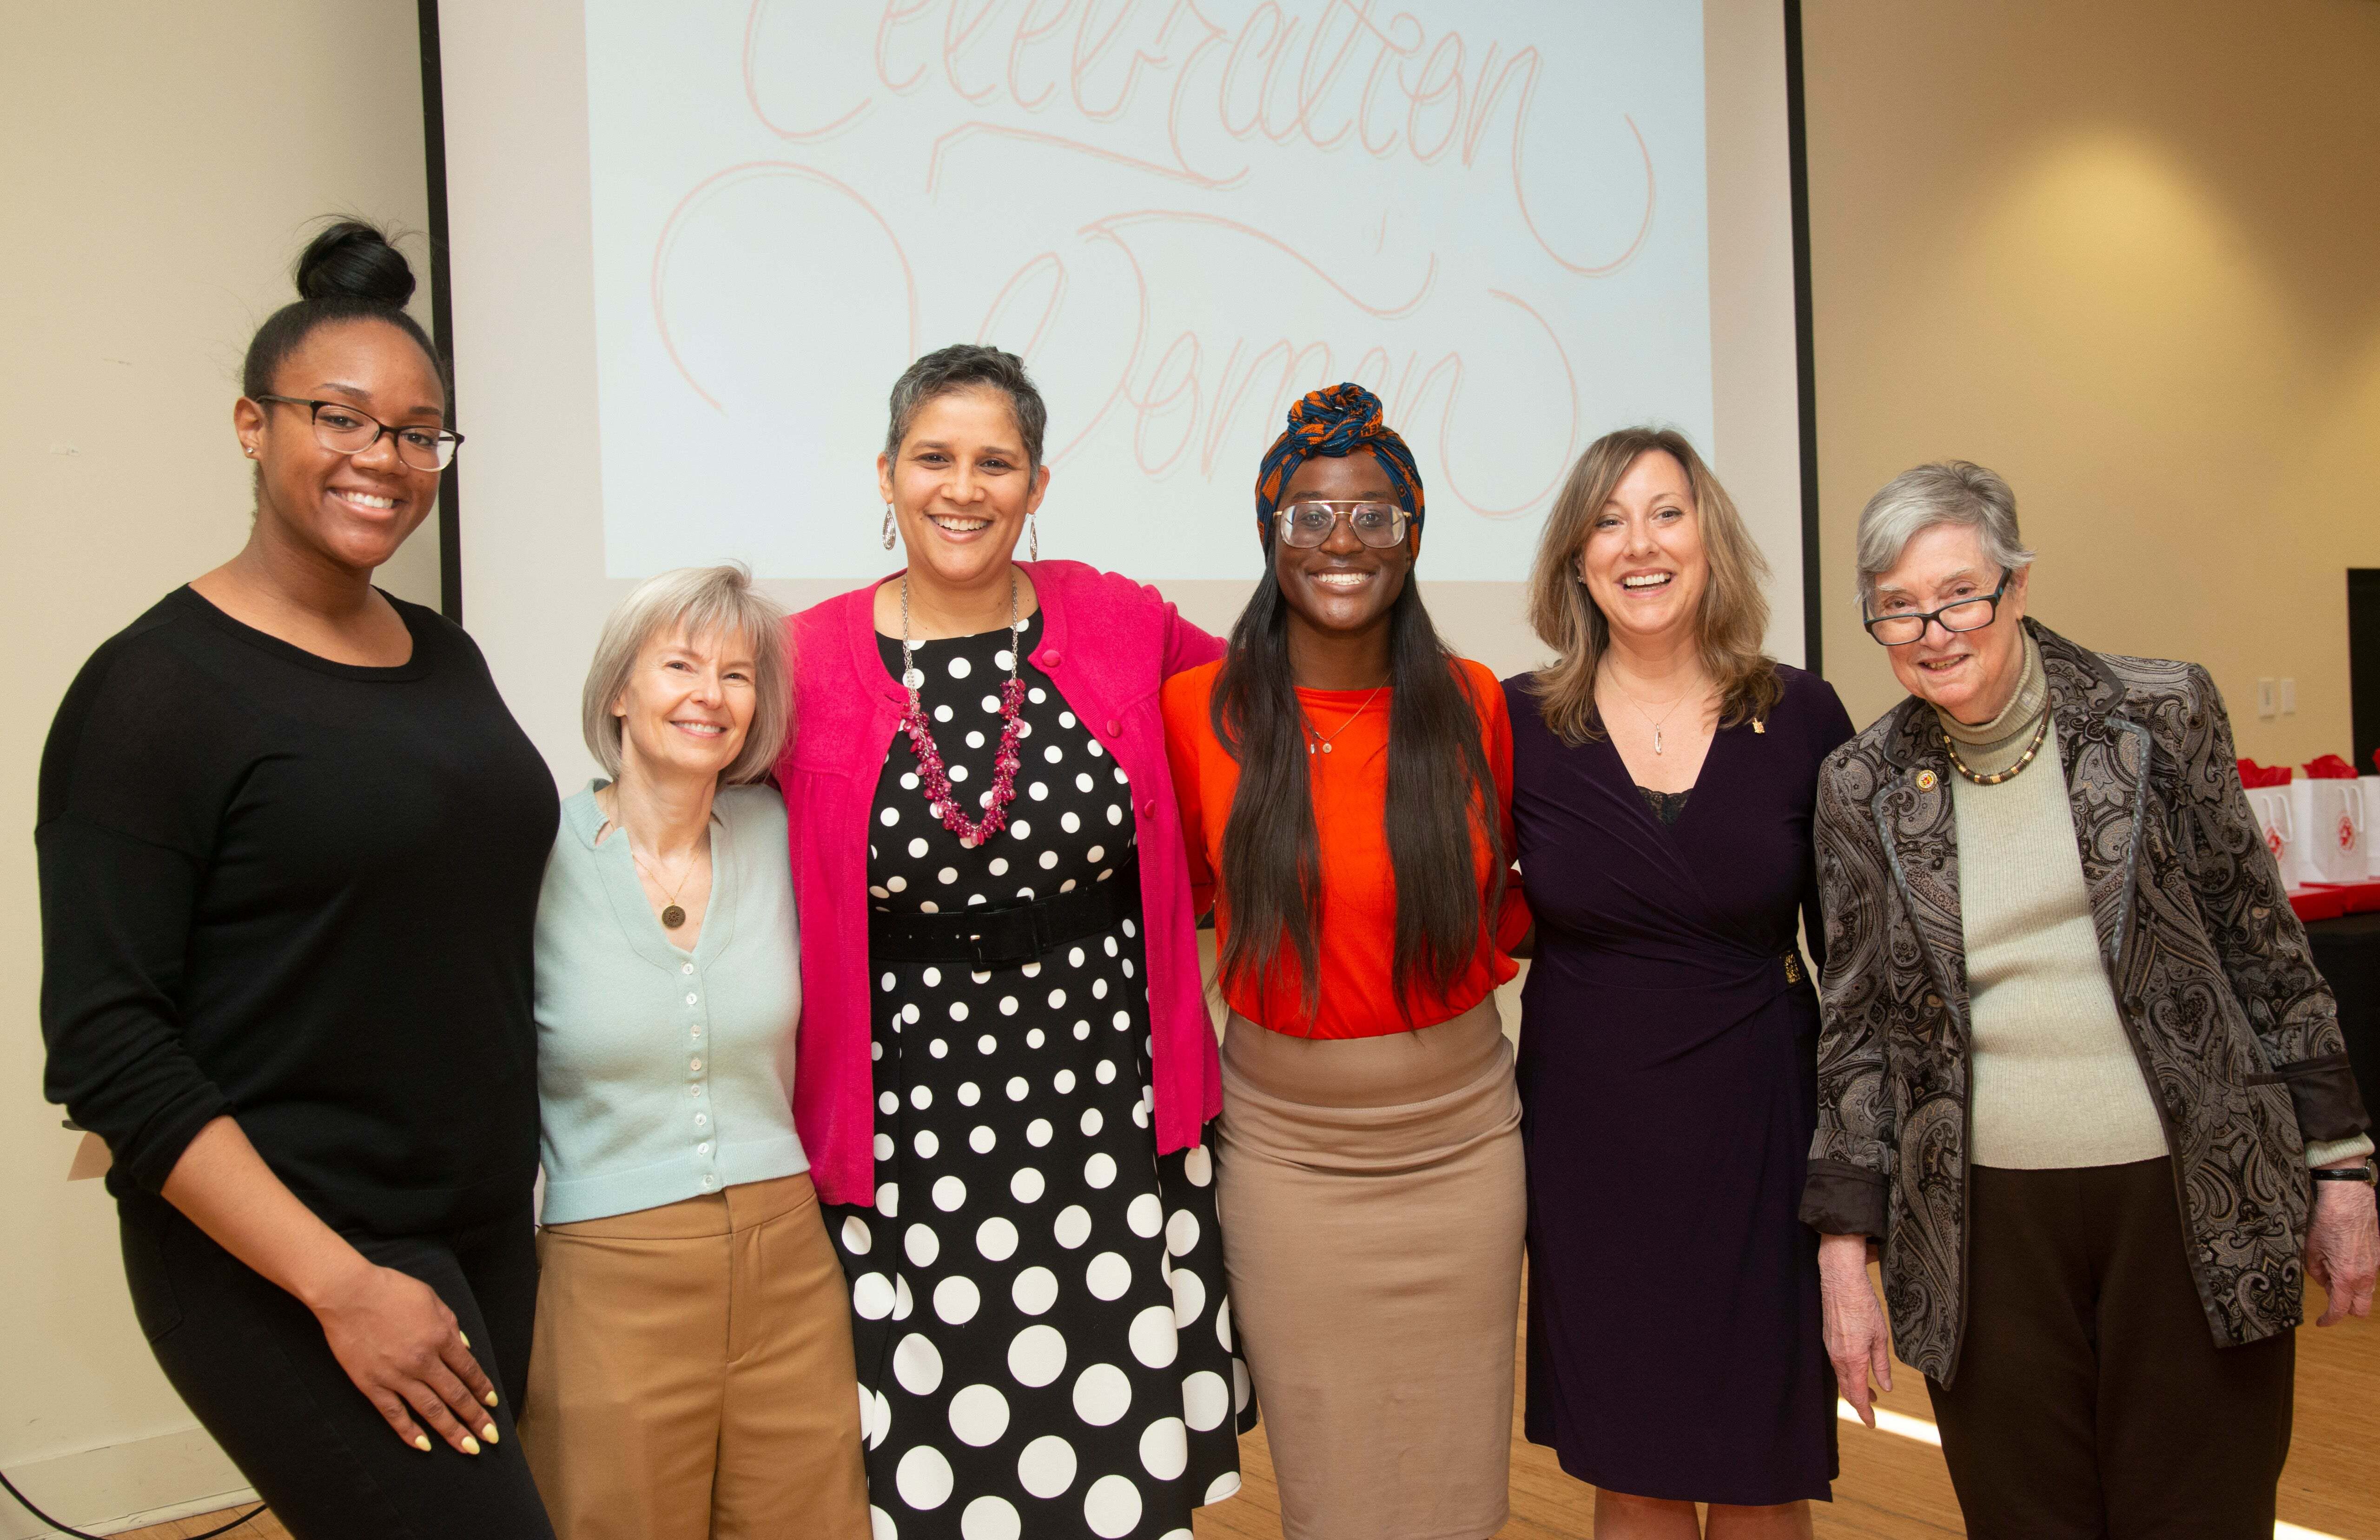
672, 913
2040, 735
1649, 721
942, 802
1315, 740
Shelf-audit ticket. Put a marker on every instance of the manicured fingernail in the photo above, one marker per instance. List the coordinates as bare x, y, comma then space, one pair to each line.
488, 1433
421, 1442
471, 1444
465, 1335
490, 1398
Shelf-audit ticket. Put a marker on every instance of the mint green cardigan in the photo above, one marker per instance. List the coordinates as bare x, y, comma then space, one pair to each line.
665, 1075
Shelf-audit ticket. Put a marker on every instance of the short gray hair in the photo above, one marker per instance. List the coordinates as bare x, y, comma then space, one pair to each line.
1948, 491
966, 366
696, 602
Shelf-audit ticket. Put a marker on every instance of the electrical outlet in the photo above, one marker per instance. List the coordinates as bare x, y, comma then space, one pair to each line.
2289, 697
2267, 700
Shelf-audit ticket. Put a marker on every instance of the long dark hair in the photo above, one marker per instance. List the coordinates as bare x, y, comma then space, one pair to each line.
1440, 806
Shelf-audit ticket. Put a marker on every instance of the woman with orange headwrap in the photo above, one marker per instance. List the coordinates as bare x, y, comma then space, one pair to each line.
1340, 766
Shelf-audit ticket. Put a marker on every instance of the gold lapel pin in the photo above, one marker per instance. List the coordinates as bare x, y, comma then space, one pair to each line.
1927, 780
1758, 725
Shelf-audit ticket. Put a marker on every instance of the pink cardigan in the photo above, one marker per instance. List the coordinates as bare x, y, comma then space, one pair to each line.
1108, 643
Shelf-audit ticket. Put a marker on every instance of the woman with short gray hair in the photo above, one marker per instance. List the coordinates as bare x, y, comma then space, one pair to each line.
2076, 1060
694, 1375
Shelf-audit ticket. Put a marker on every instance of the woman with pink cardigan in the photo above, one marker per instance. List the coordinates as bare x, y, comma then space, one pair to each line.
1005, 1068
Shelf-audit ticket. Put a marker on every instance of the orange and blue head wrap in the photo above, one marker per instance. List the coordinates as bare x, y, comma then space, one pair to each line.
1338, 419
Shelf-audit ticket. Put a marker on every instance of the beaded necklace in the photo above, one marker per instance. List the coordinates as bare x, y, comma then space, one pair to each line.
941, 801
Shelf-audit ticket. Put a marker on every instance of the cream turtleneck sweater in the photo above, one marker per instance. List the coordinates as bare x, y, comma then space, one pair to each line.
2054, 1080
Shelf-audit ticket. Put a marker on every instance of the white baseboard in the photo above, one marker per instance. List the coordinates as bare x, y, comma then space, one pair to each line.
121, 1486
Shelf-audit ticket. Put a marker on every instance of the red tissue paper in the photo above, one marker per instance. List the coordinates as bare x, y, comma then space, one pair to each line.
2330, 767
2254, 774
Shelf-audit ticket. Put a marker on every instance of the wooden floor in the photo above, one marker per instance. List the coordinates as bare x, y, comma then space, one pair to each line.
1892, 1487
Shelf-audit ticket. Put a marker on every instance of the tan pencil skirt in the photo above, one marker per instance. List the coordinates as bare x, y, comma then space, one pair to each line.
691, 1375
1371, 1198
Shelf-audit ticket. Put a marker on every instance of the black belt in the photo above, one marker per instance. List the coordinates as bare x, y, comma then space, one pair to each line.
1005, 937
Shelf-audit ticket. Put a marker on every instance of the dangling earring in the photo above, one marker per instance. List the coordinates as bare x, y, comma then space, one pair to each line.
888, 526
1032, 538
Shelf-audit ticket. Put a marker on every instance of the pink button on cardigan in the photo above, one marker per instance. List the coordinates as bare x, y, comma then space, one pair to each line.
1108, 643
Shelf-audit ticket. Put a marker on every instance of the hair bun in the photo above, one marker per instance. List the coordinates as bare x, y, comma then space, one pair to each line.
354, 261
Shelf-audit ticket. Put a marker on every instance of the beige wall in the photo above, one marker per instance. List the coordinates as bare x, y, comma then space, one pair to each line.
2125, 252
161, 164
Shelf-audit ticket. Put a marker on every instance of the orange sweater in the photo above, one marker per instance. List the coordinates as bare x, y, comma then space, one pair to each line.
1357, 984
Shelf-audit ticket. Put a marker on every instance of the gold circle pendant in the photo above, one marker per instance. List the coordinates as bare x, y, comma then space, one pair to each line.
672, 917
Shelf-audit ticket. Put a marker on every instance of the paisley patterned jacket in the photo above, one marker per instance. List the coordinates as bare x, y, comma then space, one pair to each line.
2237, 1034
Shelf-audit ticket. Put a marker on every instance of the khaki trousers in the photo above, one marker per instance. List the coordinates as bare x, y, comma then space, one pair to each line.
691, 1374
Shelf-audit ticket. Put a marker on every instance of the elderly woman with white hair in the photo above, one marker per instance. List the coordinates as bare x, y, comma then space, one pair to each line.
2077, 1068
692, 1371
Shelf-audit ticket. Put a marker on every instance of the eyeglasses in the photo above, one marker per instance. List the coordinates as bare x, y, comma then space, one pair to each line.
1306, 525
1968, 615
344, 430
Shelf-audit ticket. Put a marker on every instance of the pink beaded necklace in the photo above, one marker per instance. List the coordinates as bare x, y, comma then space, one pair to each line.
942, 800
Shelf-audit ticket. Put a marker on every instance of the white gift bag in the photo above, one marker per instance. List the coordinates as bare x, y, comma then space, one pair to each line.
2274, 816
2328, 843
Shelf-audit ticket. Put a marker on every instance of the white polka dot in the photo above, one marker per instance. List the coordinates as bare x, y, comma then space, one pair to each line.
1129, 929
957, 1299
1038, 1132
979, 1415
887, 1102
1103, 1394
999, 866
975, 740
923, 1478
1112, 1507
922, 1246
1140, 1114
869, 1428
910, 1012
1165, 1449
942, 713
1047, 1467
921, 1096
1097, 853
1091, 1121
942, 1050
961, 668
1027, 1185
1038, 792
1115, 814
996, 1239
1223, 1324
1008, 1005
1106, 1073
1145, 1214
958, 1010
1017, 1088
876, 1051
958, 772
980, 1139
991, 705
1097, 751
1020, 829
949, 1193
1099, 1171
1198, 1166
1036, 1037
908, 781
925, 1144
1035, 696
1098, 988
991, 1519
1053, 754
888, 1199
1026, 893
978, 978
1108, 1276
898, 884
1057, 1000
1062, 1082
1082, 1031
1180, 1233
1223, 1487
1070, 823
918, 849
855, 1239
1035, 1290
871, 1297
947, 875
890, 816
1240, 1389
1206, 1401
1073, 1227
1036, 1355
880, 1523
1189, 1298
889, 981
1122, 1020
904, 1302
884, 1146
1048, 860
917, 1365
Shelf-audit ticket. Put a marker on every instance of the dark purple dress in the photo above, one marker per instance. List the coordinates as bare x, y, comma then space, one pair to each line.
1667, 1066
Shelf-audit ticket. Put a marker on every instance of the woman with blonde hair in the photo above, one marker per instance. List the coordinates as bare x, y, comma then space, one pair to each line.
1664, 772
693, 1376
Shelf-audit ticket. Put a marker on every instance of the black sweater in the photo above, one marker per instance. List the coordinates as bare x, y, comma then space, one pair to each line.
301, 893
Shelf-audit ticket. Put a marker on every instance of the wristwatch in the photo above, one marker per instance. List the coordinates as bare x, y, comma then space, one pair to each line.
2363, 1174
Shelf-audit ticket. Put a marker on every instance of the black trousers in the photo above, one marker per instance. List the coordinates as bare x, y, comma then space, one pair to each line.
2090, 1401
255, 1369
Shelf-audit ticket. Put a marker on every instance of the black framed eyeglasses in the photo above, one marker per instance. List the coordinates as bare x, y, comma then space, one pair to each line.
345, 429
1309, 523
1968, 615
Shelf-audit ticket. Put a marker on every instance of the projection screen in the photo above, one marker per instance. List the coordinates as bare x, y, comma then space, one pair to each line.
692, 245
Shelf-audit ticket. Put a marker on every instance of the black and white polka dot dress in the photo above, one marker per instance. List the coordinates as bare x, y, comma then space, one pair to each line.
1045, 1346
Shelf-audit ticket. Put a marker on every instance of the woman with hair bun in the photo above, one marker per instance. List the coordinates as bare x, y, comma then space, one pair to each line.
290, 844
1341, 774
1664, 773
